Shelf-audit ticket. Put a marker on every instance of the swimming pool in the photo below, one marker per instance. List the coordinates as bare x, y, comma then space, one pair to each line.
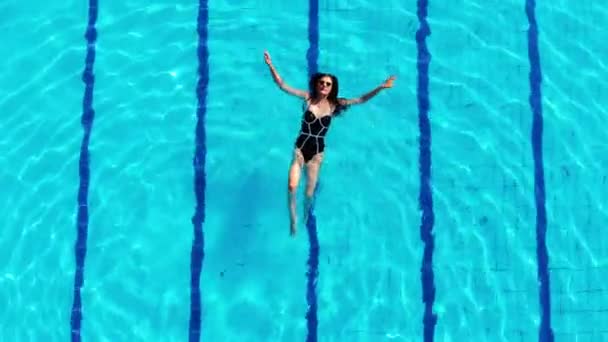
186, 172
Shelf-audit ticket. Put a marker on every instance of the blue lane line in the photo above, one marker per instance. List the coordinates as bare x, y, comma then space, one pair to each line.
88, 115
545, 333
198, 243
425, 199
312, 56
313, 273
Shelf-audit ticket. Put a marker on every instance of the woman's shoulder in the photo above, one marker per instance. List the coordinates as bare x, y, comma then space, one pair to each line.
306, 103
340, 106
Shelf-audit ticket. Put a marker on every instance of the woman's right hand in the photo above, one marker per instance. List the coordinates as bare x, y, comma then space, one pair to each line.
388, 83
267, 58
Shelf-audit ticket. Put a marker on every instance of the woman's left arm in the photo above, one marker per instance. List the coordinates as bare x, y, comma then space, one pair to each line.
365, 97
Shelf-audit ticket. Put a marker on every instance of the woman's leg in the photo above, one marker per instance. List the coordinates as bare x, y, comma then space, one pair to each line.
312, 171
294, 179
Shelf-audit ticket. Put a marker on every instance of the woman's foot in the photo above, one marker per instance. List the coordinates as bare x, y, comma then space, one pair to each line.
292, 228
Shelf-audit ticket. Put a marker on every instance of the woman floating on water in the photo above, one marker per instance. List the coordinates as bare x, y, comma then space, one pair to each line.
321, 104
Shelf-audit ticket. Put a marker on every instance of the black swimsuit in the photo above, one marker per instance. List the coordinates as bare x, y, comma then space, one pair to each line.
311, 140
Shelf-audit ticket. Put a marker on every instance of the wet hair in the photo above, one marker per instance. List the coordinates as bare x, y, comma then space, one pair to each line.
332, 97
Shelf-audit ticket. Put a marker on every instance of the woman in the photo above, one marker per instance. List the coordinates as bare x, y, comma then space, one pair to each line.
321, 104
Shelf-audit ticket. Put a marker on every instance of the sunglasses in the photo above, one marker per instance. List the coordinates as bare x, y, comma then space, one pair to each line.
327, 84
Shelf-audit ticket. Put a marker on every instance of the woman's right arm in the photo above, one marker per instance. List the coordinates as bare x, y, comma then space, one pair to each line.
280, 82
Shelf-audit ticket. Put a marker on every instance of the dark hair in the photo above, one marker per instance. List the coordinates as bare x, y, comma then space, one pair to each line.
333, 94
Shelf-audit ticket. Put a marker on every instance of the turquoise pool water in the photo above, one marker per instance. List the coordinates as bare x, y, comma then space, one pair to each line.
253, 283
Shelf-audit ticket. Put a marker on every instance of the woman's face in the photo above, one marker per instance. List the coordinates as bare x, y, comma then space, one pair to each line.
324, 85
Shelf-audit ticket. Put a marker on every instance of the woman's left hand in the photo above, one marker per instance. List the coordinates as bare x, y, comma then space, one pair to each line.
388, 83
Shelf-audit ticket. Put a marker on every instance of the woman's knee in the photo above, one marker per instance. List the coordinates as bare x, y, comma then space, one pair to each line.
293, 179
292, 185
310, 191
